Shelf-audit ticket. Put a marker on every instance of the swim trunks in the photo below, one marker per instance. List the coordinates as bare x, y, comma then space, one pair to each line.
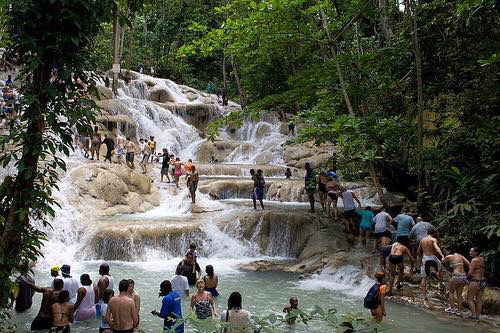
349, 213
405, 240
386, 233
129, 157
322, 187
41, 323
145, 158
333, 195
384, 251
164, 171
481, 283
462, 278
258, 193
396, 260
427, 263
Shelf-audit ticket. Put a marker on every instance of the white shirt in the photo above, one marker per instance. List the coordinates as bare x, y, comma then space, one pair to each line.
71, 285
180, 284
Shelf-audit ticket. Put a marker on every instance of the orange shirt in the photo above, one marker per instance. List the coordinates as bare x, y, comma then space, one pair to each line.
188, 166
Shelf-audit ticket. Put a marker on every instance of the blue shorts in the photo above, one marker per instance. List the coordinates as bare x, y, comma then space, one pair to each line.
258, 193
365, 227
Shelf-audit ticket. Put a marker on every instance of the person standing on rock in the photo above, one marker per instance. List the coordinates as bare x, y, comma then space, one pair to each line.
178, 171
152, 147
348, 198
165, 163
288, 173
105, 282
130, 153
146, 152
192, 183
384, 250
310, 185
477, 283
405, 223
121, 313
260, 184
323, 193
110, 146
120, 151
417, 233
396, 260
332, 189
431, 256
95, 145
458, 265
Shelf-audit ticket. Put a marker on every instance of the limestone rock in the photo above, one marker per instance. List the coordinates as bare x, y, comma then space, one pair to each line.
140, 183
104, 92
297, 155
220, 150
161, 94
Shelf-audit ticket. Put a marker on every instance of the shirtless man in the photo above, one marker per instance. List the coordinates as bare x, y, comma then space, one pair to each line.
121, 313
384, 250
130, 152
477, 283
62, 313
431, 255
457, 264
134, 295
288, 309
146, 152
105, 282
396, 259
43, 321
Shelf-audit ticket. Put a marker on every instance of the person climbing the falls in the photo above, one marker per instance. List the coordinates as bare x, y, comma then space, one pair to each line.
382, 221
310, 185
457, 264
396, 261
288, 173
477, 283
146, 152
110, 146
332, 189
350, 216
165, 163
95, 145
365, 226
258, 188
323, 193
178, 171
189, 268
192, 183
130, 153
431, 255
152, 147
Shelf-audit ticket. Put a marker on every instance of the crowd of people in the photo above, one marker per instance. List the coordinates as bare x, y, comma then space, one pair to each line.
69, 300
397, 238
10, 102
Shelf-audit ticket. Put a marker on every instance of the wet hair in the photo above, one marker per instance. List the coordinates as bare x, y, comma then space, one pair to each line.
432, 232
293, 299
177, 159
234, 301
123, 285
475, 249
63, 296
193, 168
165, 150
379, 276
165, 288
171, 155
190, 160
192, 246
307, 165
130, 281
210, 270
368, 208
288, 169
104, 269
58, 283
128, 138
252, 171
85, 280
108, 293
178, 271
141, 139
259, 172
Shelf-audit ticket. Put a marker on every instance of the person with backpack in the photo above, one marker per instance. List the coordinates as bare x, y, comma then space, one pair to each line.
374, 299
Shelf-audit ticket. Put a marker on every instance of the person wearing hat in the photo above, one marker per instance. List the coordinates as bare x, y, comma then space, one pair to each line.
70, 284
54, 272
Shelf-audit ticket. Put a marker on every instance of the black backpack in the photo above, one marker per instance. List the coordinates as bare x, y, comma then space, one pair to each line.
371, 298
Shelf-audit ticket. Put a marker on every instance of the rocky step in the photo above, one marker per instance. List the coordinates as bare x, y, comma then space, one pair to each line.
223, 169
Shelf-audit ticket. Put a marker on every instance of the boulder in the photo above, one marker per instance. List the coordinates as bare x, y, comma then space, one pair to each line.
220, 150
298, 154
104, 92
161, 94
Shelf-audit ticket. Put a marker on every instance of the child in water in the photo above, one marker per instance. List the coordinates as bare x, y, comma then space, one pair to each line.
192, 250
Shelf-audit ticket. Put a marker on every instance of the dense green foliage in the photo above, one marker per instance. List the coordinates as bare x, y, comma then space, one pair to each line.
287, 63
51, 39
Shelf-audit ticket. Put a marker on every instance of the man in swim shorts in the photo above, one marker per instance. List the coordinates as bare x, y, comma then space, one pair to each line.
130, 152
396, 260
431, 255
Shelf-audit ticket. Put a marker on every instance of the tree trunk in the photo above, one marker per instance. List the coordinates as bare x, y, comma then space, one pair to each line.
16, 214
131, 43
384, 21
116, 48
343, 88
238, 83
420, 95
224, 84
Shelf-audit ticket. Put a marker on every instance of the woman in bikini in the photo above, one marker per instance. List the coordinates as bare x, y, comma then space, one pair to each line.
62, 313
202, 302
477, 283
457, 264
178, 170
